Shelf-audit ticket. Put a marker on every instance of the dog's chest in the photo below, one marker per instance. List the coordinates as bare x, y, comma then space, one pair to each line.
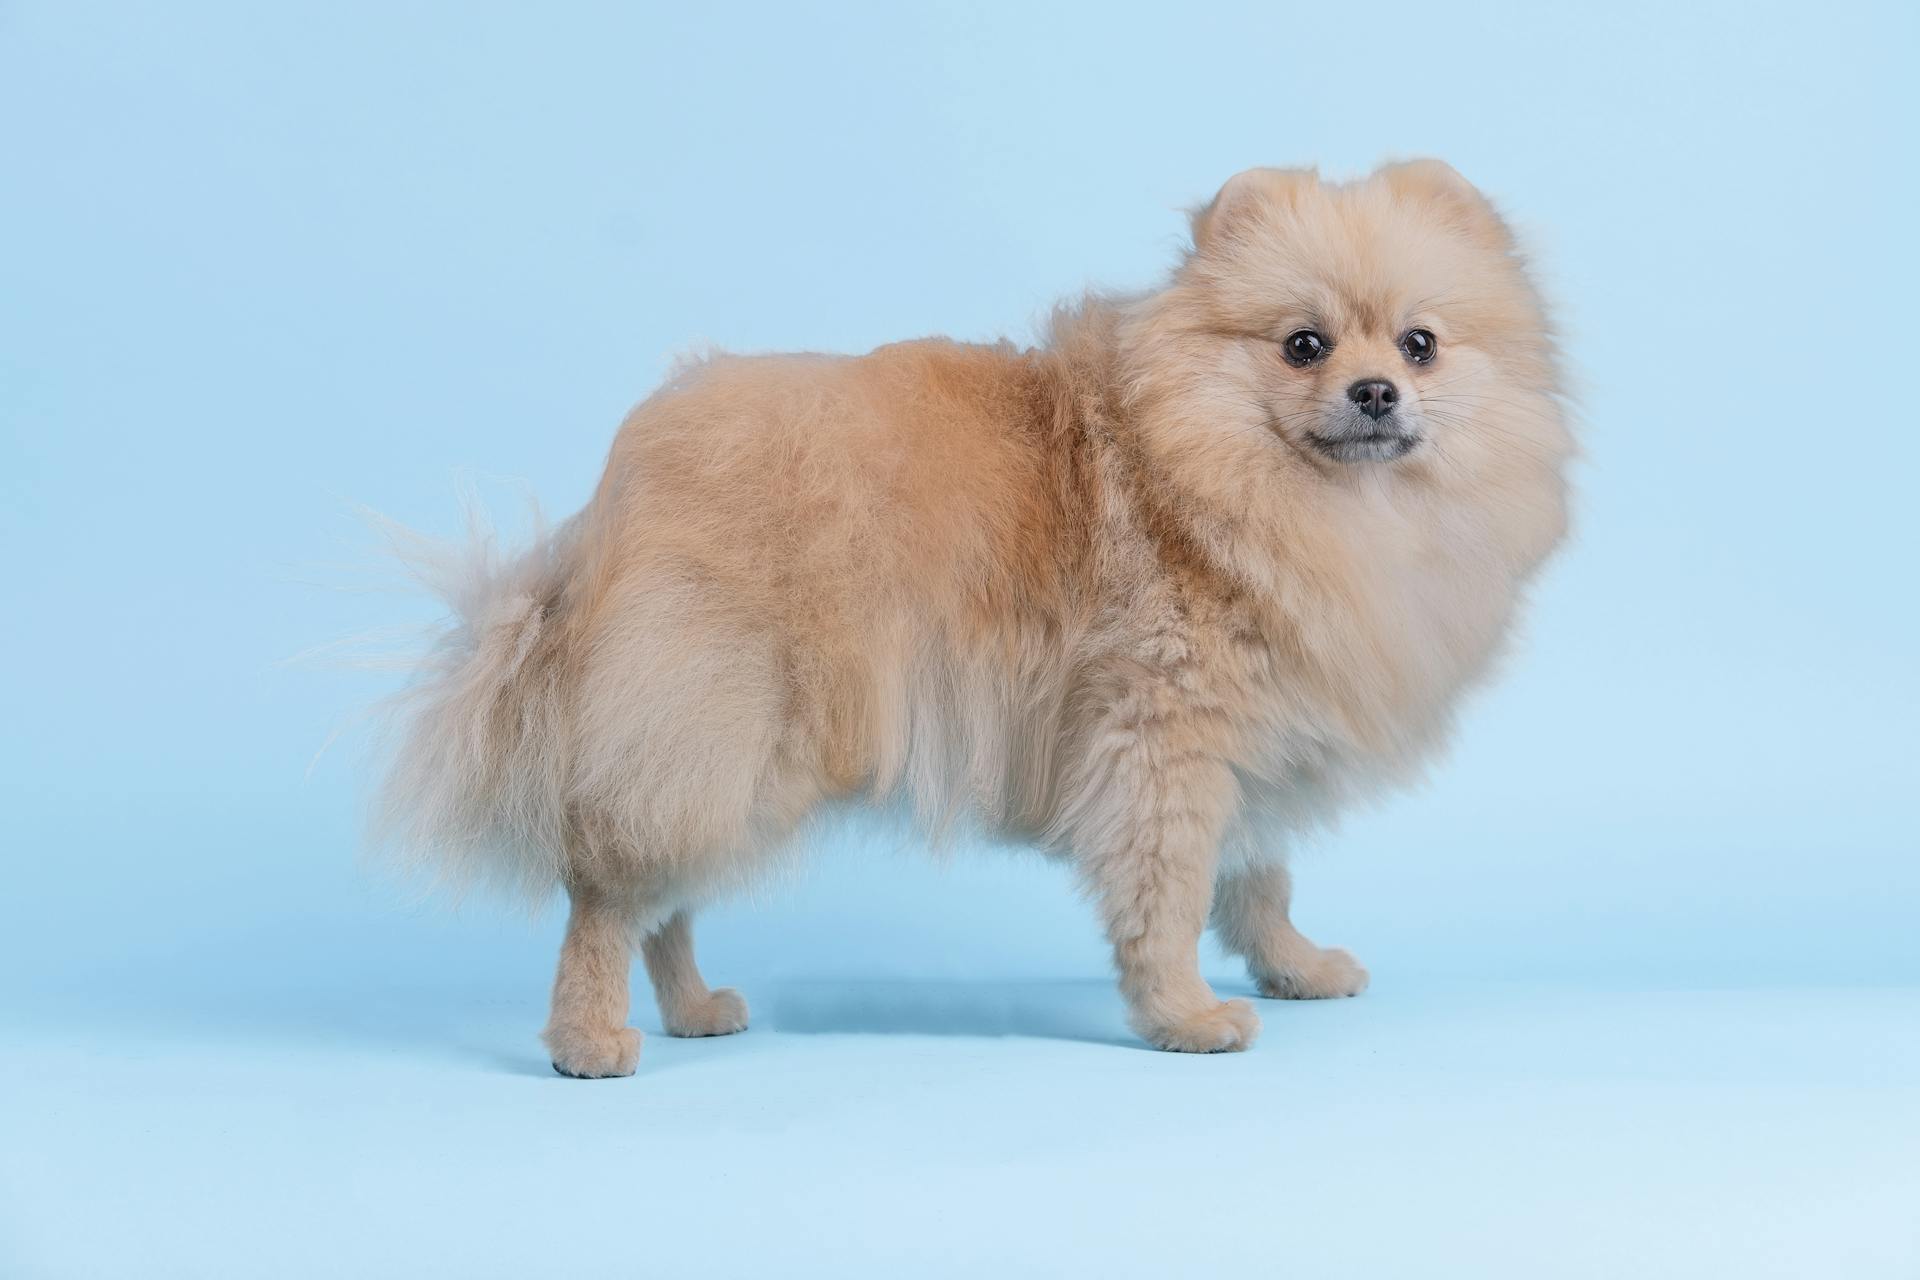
1360, 671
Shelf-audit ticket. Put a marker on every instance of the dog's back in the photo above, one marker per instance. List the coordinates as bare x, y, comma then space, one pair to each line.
800, 577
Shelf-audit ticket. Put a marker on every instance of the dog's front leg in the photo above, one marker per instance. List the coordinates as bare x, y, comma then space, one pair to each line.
1250, 915
1147, 838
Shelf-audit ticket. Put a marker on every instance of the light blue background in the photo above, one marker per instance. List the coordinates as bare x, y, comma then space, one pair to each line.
1647, 991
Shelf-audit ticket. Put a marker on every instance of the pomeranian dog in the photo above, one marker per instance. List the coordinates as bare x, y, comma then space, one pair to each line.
1208, 565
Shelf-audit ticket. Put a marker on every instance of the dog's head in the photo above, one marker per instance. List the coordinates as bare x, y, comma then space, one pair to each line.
1384, 323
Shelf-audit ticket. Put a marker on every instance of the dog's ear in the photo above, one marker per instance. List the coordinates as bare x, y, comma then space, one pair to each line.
1243, 198
1438, 185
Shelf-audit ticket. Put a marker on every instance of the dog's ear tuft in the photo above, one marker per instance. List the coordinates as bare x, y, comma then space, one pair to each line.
1243, 199
1437, 184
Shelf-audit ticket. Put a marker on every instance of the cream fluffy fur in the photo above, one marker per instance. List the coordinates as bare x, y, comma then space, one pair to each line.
1113, 596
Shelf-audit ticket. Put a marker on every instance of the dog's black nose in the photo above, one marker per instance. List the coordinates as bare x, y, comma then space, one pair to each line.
1376, 399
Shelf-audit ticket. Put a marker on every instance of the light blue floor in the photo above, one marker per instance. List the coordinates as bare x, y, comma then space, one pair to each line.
186, 1122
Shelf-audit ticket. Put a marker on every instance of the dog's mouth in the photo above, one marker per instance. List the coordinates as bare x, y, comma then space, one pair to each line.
1377, 444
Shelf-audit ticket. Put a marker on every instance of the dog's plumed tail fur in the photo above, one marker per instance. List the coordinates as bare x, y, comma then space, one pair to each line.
474, 790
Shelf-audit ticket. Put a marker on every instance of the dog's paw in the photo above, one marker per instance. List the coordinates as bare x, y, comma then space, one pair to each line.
1224, 1028
593, 1055
722, 1013
1324, 974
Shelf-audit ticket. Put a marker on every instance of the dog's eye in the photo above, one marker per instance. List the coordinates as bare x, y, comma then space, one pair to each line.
1304, 347
1419, 345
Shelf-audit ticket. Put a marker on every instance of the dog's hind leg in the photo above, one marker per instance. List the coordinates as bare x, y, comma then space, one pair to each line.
687, 1008
587, 1033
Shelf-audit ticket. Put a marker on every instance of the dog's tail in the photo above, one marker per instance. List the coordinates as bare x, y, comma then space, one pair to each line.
475, 790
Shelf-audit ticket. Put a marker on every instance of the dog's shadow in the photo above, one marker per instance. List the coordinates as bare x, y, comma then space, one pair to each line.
1086, 1011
